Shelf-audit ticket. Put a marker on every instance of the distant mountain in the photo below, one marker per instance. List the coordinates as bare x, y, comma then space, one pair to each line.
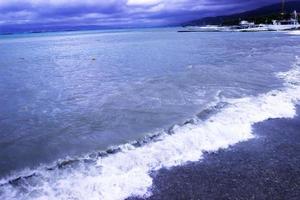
261, 15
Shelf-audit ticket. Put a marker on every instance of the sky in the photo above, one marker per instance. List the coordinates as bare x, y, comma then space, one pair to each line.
51, 14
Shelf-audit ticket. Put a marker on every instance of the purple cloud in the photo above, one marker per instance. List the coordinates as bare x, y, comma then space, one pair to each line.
114, 13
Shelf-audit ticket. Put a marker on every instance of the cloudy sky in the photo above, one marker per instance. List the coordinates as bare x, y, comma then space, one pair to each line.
26, 14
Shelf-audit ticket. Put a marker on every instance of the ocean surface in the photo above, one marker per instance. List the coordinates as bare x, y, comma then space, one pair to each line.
91, 115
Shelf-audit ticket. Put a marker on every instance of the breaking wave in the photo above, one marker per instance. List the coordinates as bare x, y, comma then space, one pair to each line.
124, 171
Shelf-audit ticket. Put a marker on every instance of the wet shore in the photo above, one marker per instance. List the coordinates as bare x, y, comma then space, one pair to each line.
267, 167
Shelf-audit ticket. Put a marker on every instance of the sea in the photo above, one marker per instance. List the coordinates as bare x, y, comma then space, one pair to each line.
94, 114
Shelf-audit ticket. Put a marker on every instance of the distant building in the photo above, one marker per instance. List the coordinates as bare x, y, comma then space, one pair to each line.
246, 24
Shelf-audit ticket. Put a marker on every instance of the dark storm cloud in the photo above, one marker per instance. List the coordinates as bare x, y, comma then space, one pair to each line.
119, 13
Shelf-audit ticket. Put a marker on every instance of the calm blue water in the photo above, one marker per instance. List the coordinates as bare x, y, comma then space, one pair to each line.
72, 94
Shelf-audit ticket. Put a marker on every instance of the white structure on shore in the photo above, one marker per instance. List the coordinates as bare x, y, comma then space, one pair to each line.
277, 25
282, 25
247, 24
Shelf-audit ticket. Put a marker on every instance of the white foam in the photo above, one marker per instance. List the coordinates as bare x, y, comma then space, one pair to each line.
126, 173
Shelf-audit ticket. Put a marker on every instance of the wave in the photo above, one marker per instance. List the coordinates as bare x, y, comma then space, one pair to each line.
124, 171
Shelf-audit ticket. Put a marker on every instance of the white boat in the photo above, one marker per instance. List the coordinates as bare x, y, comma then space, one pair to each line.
294, 32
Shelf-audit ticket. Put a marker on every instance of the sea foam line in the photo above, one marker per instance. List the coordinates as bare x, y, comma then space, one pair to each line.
127, 172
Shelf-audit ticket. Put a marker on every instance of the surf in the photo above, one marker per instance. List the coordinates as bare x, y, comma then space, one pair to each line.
125, 171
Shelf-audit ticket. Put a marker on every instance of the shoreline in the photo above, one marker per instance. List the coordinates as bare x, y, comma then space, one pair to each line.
266, 167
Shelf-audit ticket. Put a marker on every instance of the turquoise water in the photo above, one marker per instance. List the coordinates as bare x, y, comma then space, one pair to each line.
68, 95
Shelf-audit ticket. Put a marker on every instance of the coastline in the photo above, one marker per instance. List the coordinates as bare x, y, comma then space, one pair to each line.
266, 167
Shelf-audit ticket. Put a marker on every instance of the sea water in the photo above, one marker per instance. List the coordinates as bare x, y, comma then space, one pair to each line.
89, 115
